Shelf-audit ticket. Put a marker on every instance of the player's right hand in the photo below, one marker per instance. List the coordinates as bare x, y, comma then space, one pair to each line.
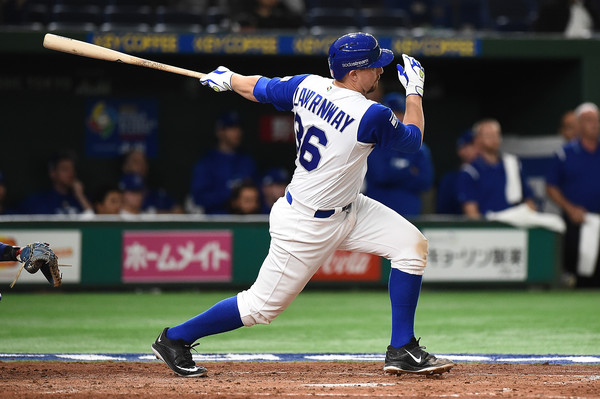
218, 80
412, 76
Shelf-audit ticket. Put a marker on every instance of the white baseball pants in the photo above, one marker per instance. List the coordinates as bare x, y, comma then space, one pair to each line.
301, 243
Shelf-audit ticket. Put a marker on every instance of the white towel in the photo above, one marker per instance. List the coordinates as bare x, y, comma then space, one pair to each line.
589, 241
513, 189
523, 216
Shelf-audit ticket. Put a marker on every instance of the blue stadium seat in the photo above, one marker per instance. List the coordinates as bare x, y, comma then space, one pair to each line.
372, 4
127, 14
320, 20
98, 3
176, 20
381, 19
216, 19
470, 14
421, 12
513, 16
37, 13
332, 4
76, 14
71, 27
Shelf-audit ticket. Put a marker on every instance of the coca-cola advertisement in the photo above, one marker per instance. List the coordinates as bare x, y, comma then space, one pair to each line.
350, 266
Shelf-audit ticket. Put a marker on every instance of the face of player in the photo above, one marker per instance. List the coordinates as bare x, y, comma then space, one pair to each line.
230, 138
489, 138
368, 79
589, 125
136, 163
467, 153
132, 201
568, 126
111, 205
247, 202
63, 174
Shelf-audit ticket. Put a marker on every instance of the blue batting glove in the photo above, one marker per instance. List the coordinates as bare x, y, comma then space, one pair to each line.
412, 76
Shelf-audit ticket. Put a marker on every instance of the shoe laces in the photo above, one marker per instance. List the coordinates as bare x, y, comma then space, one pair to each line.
421, 347
188, 353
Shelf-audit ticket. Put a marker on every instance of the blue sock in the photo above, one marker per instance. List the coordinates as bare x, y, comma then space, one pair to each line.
223, 316
404, 292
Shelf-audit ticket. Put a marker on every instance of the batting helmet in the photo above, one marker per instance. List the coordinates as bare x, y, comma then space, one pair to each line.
356, 51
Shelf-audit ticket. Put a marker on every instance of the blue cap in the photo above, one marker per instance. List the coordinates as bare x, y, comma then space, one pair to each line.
396, 101
229, 119
465, 138
276, 176
356, 51
132, 182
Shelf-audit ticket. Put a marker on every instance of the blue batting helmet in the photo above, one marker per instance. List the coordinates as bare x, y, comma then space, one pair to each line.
356, 51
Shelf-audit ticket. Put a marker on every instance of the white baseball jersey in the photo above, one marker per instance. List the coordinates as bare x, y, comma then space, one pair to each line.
336, 129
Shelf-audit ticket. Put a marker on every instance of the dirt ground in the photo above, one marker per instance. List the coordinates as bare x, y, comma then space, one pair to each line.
293, 380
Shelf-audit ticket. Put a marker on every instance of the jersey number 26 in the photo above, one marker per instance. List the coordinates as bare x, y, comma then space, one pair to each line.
308, 152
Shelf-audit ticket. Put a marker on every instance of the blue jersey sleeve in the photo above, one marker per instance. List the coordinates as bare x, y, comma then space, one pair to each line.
6, 252
553, 174
3, 247
380, 126
466, 187
278, 91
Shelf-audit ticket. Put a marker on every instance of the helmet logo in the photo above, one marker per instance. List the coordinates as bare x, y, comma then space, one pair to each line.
356, 63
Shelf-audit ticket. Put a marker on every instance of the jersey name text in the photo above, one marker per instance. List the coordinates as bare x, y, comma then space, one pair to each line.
322, 108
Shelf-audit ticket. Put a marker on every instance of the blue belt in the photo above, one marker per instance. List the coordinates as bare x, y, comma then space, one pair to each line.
319, 213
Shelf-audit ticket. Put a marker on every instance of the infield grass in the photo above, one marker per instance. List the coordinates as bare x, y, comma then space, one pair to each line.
519, 322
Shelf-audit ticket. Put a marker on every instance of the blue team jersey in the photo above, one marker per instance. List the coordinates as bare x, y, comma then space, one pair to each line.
215, 175
447, 202
485, 184
51, 203
575, 172
336, 129
397, 179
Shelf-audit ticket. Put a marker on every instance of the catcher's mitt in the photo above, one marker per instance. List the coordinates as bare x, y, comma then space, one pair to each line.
39, 256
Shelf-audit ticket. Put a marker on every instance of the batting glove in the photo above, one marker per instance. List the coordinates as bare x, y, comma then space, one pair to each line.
218, 80
412, 76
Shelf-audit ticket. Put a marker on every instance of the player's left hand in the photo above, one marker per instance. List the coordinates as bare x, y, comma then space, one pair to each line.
412, 76
39, 256
218, 80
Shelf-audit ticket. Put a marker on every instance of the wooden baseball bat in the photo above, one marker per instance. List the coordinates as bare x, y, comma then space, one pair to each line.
77, 47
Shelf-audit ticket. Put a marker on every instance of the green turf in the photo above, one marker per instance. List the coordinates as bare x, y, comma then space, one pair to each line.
562, 322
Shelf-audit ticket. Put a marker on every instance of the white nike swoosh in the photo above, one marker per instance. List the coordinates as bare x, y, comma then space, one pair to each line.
416, 359
184, 369
159, 340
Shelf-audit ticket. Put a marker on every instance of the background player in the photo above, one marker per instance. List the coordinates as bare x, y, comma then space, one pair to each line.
336, 129
398, 179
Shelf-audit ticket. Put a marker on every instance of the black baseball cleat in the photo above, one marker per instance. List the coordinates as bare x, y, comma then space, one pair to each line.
411, 358
178, 356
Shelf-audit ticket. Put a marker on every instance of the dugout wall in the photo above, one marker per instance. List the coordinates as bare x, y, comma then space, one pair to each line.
228, 251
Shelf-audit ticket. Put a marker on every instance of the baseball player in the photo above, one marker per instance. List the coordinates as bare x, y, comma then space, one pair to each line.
336, 128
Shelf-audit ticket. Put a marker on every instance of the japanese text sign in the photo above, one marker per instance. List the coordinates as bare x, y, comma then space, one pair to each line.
476, 255
177, 256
